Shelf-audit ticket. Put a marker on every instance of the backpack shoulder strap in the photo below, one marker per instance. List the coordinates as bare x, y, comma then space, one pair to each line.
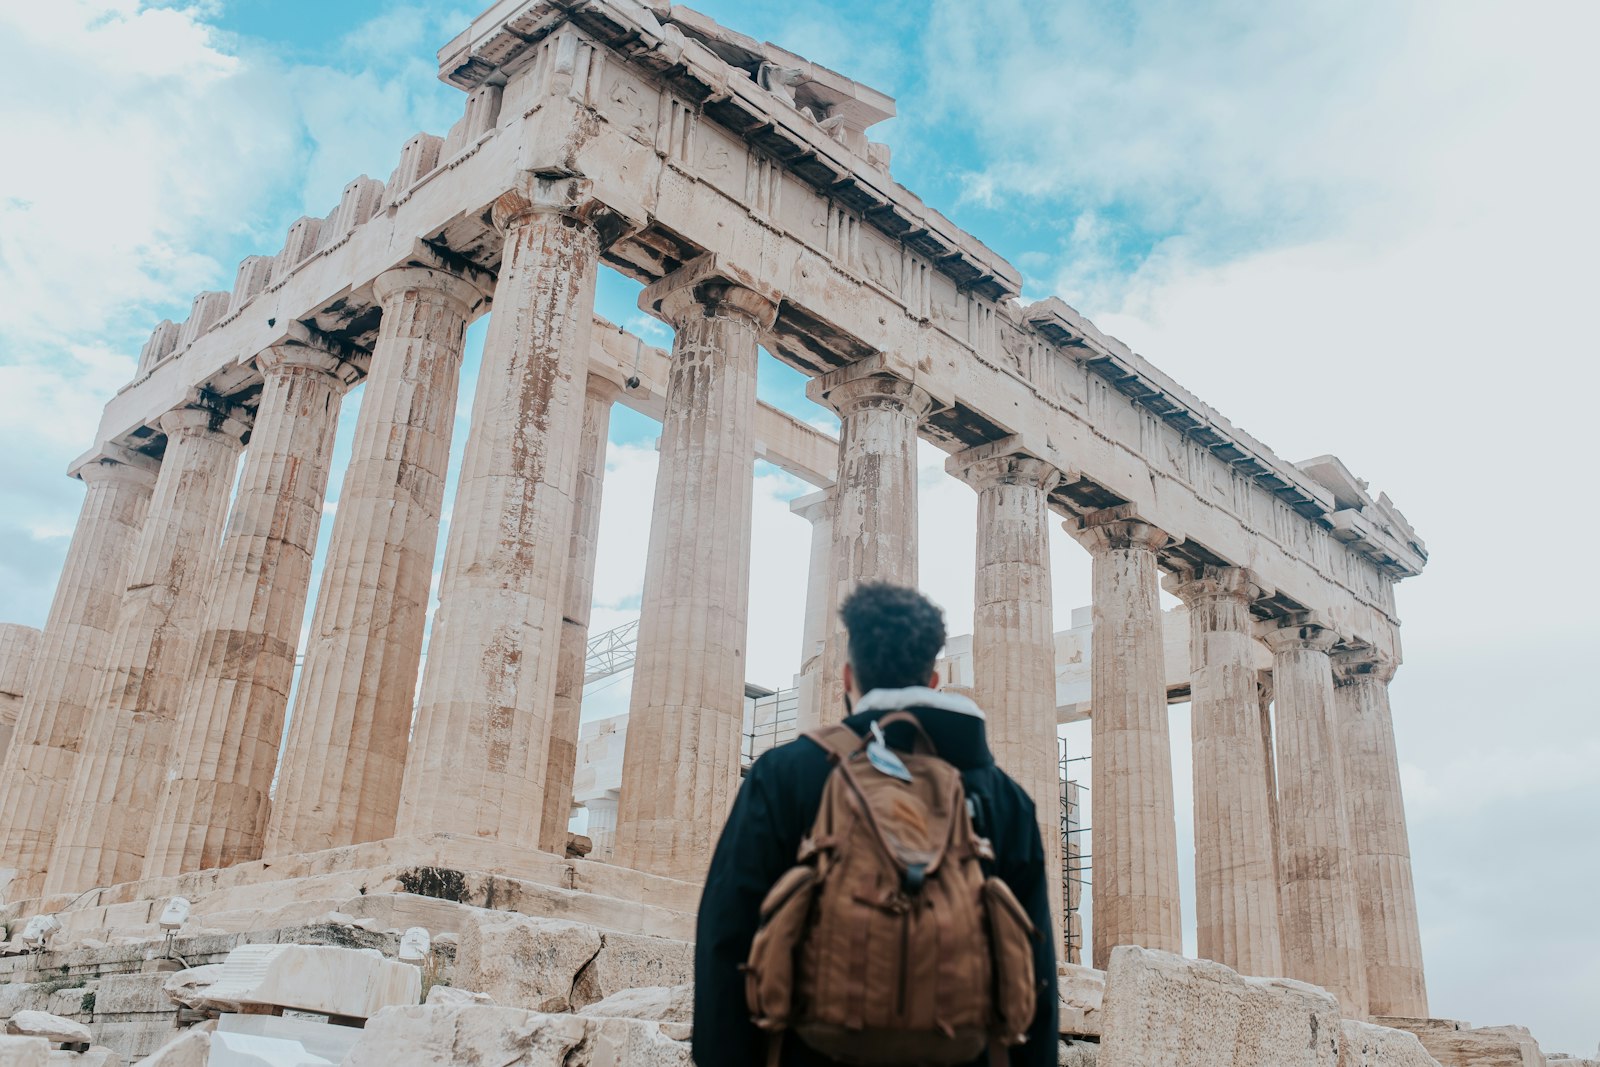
837, 740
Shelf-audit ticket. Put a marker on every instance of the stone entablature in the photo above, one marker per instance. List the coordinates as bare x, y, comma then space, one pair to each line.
866, 271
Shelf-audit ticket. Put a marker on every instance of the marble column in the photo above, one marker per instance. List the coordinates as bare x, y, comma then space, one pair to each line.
340, 778
680, 766
18, 646
602, 824
875, 502
111, 803
1013, 631
68, 665
1135, 845
480, 745
1236, 882
817, 509
1319, 917
1269, 771
599, 395
213, 807
1385, 895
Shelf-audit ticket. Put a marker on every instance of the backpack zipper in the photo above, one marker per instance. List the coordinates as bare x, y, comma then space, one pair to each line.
905, 962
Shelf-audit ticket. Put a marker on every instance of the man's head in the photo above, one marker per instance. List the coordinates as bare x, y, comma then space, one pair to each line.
895, 637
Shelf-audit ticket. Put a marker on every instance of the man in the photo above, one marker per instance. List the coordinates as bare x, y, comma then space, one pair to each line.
895, 635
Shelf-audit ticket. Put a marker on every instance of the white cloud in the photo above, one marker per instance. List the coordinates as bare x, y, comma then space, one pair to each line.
171, 152
1379, 229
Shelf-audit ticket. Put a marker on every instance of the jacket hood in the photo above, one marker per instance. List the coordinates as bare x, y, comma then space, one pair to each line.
955, 724
917, 696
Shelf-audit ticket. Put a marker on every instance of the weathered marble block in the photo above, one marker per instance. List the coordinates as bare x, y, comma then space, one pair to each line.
24, 1052
1164, 1009
319, 978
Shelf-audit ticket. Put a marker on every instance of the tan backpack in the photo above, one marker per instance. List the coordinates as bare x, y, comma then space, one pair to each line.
886, 944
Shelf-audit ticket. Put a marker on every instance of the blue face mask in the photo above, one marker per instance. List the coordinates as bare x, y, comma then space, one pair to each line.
883, 758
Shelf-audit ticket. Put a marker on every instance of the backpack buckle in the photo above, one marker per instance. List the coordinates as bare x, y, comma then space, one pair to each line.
914, 878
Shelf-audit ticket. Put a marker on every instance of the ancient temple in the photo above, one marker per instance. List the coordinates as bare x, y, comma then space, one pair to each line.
153, 749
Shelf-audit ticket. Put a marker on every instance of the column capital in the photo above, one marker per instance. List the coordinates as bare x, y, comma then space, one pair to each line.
198, 420
564, 194
1354, 665
299, 347
866, 384
1206, 582
707, 287
815, 507
600, 387
469, 294
1297, 631
113, 462
1117, 528
1003, 462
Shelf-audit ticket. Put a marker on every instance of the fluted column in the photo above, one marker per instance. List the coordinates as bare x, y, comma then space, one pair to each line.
341, 770
1269, 771
602, 825
68, 666
817, 509
18, 646
1013, 631
875, 502
680, 764
111, 803
1385, 894
1236, 883
1317, 897
1135, 844
213, 807
562, 764
479, 748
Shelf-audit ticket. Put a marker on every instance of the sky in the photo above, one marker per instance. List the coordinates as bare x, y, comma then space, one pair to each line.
1361, 228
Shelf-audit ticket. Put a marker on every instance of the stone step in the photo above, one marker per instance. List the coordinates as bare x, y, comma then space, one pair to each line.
447, 867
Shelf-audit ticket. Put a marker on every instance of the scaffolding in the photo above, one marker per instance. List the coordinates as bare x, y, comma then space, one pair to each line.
611, 652
771, 719
1074, 861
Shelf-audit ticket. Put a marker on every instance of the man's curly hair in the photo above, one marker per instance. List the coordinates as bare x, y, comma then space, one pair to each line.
895, 635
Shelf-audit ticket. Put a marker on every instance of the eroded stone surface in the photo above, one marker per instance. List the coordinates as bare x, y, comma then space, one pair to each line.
672, 1004
190, 1049
94, 1056
1458, 1045
48, 1026
1164, 1009
191, 988
631, 961
1078, 1054
1368, 1045
524, 962
467, 1036
24, 1051
318, 978
1081, 993
443, 996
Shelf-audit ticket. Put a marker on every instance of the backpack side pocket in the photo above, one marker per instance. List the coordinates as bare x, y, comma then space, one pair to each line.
1011, 935
769, 975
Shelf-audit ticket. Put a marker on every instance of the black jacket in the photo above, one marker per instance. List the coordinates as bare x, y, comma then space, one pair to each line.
774, 811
